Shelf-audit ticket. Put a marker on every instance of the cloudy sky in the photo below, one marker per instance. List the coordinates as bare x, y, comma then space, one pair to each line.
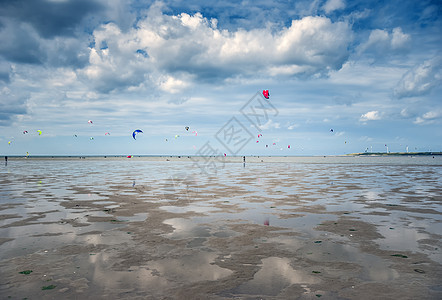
369, 70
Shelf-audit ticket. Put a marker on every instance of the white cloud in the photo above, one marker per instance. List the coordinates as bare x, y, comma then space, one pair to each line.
428, 118
340, 133
399, 39
173, 85
421, 79
370, 116
270, 124
332, 5
182, 45
382, 43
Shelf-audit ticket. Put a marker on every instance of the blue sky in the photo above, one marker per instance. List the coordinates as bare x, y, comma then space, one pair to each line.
369, 70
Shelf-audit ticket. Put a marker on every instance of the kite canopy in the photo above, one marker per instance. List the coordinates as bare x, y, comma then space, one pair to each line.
90, 122
135, 133
265, 93
24, 132
39, 132
331, 130
187, 128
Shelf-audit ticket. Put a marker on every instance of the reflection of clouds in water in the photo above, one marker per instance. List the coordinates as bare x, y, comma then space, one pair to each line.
275, 275
403, 239
190, 268
121, 281
370, 195
184, 228
373, 268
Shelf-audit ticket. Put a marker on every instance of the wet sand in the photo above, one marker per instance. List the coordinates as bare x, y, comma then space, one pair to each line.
162, 230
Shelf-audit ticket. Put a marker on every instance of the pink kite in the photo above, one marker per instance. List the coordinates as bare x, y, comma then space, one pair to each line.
265, 93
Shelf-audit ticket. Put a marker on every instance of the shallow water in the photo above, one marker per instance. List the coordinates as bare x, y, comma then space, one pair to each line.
279, 221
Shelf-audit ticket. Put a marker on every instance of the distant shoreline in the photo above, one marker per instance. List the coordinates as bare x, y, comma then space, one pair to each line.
395, 154
79, 156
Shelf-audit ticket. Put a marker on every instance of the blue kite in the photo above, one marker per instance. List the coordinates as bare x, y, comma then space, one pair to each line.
135, 133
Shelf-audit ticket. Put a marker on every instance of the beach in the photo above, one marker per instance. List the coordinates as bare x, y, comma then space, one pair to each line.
218, 228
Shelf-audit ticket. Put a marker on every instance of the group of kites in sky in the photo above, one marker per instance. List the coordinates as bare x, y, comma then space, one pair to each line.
265, 93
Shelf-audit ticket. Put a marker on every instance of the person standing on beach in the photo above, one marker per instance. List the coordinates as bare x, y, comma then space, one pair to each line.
6, 160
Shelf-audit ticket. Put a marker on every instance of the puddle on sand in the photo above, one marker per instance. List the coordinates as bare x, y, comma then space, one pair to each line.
373, 268
190, 268
30, 238
275, 275
185, 228
399, 238
196, 228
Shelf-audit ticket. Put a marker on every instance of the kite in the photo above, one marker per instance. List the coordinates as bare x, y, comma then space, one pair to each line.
265, 93
259, 135
24, 132
107, 133
196, 133
177, 136
91, 138
331, 130
257, 141
75, 135
187, 128
39, 132
135, 133
9, 143
90, 122
288, 146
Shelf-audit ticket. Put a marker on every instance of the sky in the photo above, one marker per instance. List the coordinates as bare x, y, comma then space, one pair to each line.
343, 77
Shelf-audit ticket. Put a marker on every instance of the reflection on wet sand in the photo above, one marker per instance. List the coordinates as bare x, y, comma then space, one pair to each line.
145, 229
275, 275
